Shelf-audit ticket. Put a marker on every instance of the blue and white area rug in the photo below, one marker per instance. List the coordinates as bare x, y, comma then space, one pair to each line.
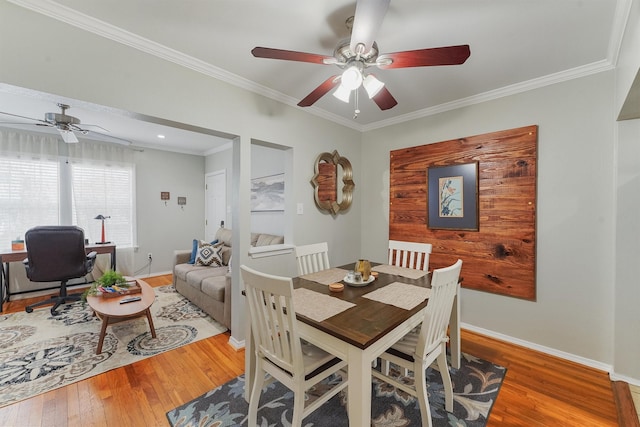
476, 385
40, 352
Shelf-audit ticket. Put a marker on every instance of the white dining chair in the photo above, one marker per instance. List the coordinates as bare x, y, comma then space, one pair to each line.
278, 348
426, 343
409, 254
312, 258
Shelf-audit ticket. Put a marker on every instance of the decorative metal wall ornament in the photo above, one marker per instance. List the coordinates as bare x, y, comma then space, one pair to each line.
327, 195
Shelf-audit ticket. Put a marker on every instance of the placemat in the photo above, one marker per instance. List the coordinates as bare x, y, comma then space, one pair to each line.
409, 273
400, 295
318, 306
326, 277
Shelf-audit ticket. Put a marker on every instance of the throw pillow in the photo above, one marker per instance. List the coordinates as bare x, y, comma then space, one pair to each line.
208, 254
269, 239
194, 250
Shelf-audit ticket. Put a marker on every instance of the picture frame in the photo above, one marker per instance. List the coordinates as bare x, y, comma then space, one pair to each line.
267, 193
452, 197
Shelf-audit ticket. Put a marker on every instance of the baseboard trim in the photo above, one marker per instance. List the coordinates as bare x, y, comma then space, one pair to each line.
543, 349
627, 414
236, 344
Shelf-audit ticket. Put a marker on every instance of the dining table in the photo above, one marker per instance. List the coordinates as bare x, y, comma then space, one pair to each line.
360, 322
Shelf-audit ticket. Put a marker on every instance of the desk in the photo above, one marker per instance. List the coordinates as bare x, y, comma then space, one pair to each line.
19, 256
361, 333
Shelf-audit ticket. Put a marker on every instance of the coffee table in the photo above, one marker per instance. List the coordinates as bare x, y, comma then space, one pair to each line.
111, 311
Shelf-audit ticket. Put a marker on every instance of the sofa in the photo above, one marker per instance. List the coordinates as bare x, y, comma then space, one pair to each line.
209, 287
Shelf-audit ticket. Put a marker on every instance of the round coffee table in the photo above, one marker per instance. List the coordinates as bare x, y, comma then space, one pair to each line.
111, 311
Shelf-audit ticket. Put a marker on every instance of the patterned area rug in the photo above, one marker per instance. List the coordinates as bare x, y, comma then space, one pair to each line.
475, 385
40, 352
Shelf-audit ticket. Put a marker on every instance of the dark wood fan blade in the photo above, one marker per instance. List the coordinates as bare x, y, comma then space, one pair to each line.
319, 92
384, 99
290, 55
450, 55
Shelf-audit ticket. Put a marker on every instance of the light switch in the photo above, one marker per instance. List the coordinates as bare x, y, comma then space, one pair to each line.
300, 209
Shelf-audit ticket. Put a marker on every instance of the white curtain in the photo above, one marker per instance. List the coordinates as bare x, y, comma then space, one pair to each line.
98, 166
28, 166
20, 144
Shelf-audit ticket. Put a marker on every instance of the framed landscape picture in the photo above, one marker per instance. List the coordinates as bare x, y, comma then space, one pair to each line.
453, 197
267, 193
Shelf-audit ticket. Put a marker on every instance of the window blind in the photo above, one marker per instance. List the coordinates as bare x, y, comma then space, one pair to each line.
104, 190
29, 196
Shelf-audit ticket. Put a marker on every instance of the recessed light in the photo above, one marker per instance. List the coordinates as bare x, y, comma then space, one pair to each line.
161, 136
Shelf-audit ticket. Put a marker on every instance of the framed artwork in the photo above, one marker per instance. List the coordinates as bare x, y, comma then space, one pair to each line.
267, 193
453, 197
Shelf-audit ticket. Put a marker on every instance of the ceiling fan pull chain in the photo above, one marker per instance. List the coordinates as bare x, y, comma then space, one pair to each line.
357, 110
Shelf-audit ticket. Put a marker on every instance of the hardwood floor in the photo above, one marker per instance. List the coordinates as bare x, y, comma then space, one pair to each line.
539, 390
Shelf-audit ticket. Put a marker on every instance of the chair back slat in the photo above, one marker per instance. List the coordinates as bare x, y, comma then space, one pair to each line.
409, 254
273, 318
444, 286
312, 258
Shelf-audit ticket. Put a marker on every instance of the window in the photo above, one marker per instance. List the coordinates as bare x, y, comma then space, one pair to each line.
108, 191
18, 213
44, 181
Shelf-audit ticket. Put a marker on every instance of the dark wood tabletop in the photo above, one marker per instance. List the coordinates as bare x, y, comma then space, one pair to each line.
369, 320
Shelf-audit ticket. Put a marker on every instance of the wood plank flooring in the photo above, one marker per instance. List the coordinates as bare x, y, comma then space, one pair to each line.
539, 390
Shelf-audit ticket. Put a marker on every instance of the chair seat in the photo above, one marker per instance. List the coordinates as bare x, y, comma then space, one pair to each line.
316, 360
405, 348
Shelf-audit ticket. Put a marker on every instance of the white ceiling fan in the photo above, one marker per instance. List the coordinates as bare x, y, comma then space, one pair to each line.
68, 126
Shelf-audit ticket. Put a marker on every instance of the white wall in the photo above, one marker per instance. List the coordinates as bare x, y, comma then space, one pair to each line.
575, 215
163, 228
626, 338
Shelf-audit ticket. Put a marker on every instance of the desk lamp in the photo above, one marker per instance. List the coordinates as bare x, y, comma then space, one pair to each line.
102, 218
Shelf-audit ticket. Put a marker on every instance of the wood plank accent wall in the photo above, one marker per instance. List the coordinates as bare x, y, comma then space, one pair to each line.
501, 256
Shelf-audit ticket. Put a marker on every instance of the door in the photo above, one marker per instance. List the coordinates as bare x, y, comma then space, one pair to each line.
216, 202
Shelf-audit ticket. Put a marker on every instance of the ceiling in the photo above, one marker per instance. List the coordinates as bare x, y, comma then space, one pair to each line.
516, 45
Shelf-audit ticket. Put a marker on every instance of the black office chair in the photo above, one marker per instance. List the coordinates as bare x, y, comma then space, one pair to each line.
56, 253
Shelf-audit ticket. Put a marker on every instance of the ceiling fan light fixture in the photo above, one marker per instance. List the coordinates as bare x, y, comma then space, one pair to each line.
351, 78
68, 136
372, 85
343, 94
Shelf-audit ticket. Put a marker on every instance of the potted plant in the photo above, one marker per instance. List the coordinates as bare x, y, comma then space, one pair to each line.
110, 278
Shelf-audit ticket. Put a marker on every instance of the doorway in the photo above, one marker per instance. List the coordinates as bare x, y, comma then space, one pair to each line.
215, 202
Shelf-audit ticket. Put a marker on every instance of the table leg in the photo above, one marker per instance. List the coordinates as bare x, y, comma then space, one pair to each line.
103, 332
150, 319
113, 259
359, 389
2, 282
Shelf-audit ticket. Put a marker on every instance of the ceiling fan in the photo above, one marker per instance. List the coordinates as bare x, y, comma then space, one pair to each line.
360, 52
67, 125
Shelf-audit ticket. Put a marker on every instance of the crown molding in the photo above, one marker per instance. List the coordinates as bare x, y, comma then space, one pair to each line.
85, 22
596, 67
72, 17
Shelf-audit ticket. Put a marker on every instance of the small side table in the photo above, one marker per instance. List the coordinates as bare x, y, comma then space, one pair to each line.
110, 311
